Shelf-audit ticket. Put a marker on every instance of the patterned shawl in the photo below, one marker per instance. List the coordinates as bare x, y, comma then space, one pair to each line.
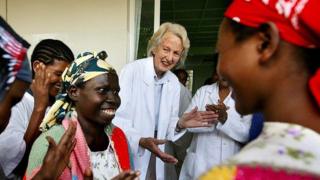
87, 66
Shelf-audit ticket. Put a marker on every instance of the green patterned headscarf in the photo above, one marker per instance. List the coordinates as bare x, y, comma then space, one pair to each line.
88, 65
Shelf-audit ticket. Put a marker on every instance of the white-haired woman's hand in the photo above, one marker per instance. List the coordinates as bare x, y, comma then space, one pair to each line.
152, 145
196, 118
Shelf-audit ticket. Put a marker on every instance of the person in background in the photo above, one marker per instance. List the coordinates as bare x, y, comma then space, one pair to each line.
211, 146
49, 59
211, 80
214, 76
178, 149
150, 95
15, 80
276, 71
182, 76
15, 74
185, 94
89, 98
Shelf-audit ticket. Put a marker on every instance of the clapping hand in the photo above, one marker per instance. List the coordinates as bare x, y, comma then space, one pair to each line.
196, 118
57, 155
40, 87
220, 109
127, 175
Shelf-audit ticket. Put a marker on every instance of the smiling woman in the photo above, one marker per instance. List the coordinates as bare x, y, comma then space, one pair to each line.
150, 101
269, 52
97, 101
89, 97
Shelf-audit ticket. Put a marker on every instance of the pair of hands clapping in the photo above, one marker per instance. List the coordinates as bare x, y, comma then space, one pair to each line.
220, 109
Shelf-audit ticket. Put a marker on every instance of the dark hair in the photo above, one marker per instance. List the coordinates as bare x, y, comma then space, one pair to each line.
49, 50
208, 81
178, 71
310, 56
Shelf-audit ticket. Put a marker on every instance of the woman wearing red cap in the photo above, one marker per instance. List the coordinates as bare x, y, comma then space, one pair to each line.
269, 53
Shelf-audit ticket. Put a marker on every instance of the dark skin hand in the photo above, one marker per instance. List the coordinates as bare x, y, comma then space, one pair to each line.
127, 175
57, 155
88, 174
40, 87
40, 90
220, 109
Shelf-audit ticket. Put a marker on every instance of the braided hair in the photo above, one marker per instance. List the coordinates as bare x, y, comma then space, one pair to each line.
49, 50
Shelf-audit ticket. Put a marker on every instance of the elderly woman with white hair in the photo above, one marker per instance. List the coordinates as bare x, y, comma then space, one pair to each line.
150, 102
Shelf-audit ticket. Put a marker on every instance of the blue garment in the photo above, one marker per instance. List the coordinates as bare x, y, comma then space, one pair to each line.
256, 126
158, 84
157, 101
24, 73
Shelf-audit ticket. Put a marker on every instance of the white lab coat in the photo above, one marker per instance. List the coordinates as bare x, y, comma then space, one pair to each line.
178, 148
212, 145
185, 99
136, 114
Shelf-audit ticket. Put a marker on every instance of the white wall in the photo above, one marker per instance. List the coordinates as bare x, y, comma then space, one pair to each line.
82, 24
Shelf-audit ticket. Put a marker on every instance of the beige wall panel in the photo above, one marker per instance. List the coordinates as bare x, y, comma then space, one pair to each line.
3, 8
81, 24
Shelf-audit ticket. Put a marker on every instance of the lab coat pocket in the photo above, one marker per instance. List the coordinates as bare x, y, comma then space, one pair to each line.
190, 165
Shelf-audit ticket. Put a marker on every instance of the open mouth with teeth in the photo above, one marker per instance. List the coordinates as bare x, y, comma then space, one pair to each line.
109, 112
166, 63
57, 86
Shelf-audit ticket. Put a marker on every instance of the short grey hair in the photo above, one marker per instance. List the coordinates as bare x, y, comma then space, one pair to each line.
177, 30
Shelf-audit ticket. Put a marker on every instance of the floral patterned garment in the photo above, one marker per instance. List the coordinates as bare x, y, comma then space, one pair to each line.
282, 151
104, 164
